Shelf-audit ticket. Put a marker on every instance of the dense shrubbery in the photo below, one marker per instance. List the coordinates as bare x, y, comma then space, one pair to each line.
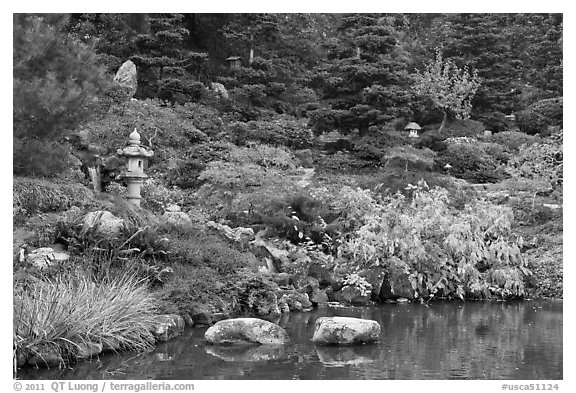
541, 161
541, 115
512, 140
279, 132
248, 177
469, 159
443, 252
32, 196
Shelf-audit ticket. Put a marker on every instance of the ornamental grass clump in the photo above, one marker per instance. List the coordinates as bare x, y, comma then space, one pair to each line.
64, 313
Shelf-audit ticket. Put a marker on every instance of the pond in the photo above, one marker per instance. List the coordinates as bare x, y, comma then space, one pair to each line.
440, 340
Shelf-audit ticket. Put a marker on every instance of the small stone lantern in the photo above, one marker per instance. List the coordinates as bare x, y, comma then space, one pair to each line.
137, 157
234, 62
413, 128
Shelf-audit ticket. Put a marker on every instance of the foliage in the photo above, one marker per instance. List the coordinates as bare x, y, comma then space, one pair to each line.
449, 87
364, 81
57, 82
279, 132
466, 253
468, 159
512, 140
157, 197
248, 176
32, 196
70, 311
359, 282
540, 161
39, 158
408, 157
541, 115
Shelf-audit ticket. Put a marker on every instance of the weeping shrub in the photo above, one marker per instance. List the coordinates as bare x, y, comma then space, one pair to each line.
470, 252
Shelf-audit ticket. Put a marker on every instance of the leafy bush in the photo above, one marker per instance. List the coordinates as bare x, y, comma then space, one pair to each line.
180, 91
250, 174
279, 132
540, 161
540, 115
513, 140
156, 197
468, 160
31, 196
70, 311
466, 253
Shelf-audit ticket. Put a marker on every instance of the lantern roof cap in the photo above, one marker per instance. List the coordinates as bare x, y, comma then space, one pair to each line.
412, 126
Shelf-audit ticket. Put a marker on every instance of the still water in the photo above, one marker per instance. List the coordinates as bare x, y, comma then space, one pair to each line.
442, 340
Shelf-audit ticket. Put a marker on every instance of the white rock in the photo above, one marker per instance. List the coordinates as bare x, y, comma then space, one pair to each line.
345, 331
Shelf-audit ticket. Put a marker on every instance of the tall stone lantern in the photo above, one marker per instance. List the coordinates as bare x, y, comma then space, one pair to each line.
137, 157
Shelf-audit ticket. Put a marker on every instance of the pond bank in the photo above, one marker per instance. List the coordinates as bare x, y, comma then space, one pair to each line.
440, 340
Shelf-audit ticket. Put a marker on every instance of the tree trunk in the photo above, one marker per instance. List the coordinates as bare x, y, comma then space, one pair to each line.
251, 58
443, 121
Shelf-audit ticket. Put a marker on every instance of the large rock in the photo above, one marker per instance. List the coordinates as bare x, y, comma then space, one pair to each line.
374, 276
87, 350
345, 331
350, 294
104, 223
177, 217
240, 234
45, 356
45, 257
220, 89
400, 288
296, 301
168, 326
127, 78
240, 331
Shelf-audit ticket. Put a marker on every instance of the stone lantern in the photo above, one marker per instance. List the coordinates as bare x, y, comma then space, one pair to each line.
413, 128
234, 62
137, 157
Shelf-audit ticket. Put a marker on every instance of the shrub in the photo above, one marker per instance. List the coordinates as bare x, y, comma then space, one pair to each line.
70, 311
513, 140
156, 197
469, 160
540, 161
258, 170
31, 196
39, 158
540, 115
466, 253
279, 132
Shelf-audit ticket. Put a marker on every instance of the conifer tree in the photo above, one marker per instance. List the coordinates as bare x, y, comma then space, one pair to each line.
57, 81
365, 80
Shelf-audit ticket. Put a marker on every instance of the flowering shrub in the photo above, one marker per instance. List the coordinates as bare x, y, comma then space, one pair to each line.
456, 253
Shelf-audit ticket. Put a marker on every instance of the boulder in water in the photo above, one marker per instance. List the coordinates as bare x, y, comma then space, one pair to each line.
242, 331
345, 331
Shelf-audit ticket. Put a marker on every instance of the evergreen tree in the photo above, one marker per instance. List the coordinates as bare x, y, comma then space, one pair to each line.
166, 68
57, 81
365, 80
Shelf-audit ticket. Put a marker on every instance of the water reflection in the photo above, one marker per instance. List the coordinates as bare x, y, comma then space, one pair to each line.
252, 353
450, 340
352, 355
